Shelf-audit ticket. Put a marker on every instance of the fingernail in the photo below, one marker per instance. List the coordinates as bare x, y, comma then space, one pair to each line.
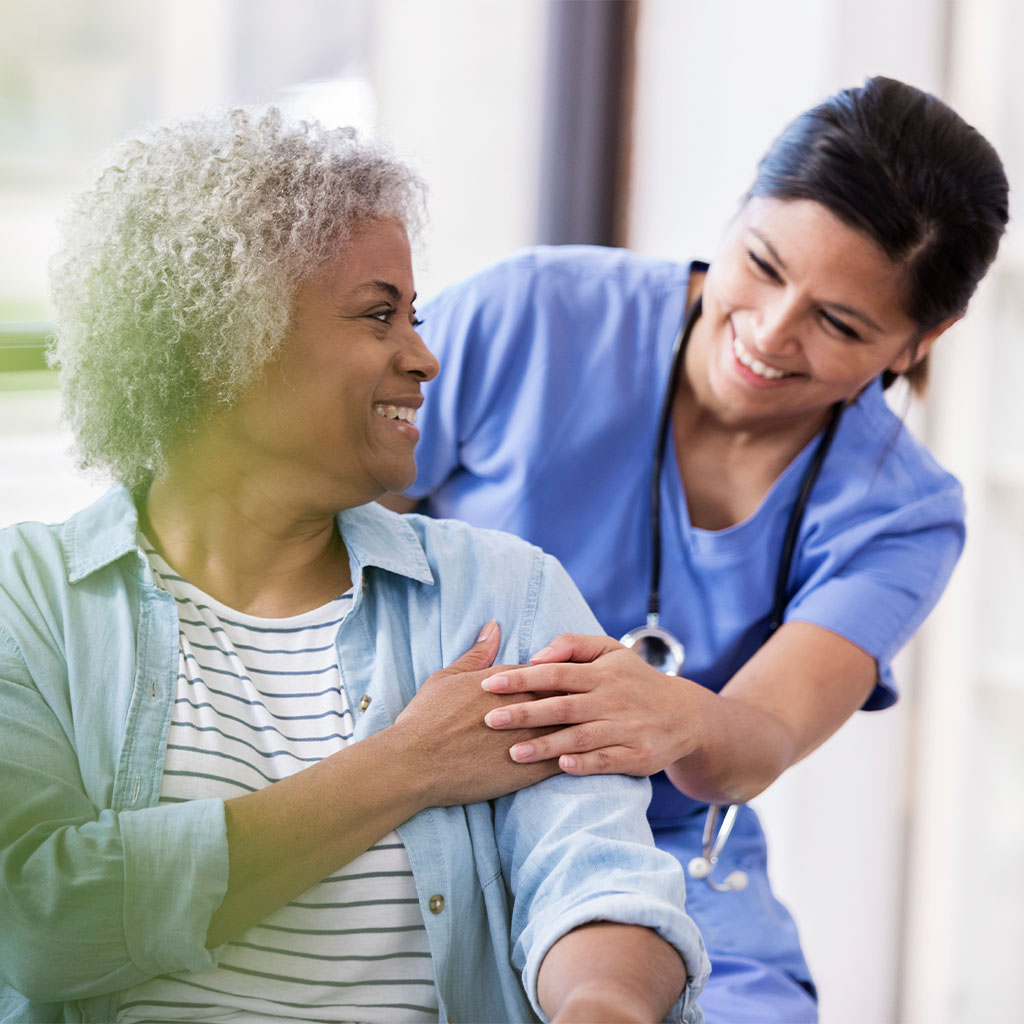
497, 718
485, 633
566, 763
495, 684
542, 653
521, 752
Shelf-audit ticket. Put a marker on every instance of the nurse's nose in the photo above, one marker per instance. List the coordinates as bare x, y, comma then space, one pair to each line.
775, 332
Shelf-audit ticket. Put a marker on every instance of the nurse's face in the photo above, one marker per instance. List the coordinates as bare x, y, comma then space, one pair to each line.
799, 311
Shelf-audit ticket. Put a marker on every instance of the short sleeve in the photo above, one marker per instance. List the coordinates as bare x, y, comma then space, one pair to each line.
878, 579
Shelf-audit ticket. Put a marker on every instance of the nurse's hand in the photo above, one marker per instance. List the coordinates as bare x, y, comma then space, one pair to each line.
615, 712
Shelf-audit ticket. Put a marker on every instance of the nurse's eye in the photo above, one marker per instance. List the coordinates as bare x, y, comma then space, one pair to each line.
837, 325
762, 266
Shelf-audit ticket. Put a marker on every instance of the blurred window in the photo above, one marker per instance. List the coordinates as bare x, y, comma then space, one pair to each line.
76, 75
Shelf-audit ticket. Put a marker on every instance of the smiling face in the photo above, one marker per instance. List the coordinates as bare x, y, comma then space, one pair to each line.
331, 421
799, 311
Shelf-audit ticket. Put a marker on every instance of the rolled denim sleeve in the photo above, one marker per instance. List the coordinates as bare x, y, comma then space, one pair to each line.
92, 899
577, 849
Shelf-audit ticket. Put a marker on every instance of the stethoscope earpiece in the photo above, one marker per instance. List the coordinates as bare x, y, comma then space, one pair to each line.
699, 867
702, 866
735, 880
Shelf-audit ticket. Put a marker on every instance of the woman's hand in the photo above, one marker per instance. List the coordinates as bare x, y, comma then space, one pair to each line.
614, 712
289, 835
447, 744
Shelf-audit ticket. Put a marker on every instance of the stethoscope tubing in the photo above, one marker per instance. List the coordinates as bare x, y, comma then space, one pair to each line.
713, 843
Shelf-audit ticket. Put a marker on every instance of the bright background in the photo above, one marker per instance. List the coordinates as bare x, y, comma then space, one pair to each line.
900, 845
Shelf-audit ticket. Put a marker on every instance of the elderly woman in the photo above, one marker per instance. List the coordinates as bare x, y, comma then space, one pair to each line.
226, 794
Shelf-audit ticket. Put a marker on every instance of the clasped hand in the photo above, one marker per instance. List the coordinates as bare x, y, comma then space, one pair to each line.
450, 755
610, 710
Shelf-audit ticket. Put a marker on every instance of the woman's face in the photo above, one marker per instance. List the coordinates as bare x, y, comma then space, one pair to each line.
332, 418
799, 311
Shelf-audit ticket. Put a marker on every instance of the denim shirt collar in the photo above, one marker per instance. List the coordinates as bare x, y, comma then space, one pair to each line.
108, 530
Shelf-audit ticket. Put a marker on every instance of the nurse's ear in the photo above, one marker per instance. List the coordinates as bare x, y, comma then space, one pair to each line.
919, 347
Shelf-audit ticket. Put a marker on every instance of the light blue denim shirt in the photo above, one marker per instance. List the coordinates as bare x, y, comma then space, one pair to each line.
100, 888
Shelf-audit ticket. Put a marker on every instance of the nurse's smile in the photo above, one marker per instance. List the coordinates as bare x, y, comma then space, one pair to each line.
758, 373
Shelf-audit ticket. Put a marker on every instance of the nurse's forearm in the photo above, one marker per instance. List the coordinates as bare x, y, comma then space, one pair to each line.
794, 693
610, 972
738, 751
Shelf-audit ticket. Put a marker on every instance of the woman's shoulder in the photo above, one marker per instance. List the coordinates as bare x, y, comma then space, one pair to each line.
30, 553
476, 574
498, 569
41, 562
451, 544
435, 550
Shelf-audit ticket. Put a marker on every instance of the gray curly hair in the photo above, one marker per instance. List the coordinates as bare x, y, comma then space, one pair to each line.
175, 276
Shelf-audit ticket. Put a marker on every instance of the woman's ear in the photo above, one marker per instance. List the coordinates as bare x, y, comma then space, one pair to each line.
909, 356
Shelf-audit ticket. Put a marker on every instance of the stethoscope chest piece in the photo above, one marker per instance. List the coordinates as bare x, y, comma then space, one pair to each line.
657, 646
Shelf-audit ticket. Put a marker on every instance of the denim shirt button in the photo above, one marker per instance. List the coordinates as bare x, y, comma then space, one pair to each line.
364, 702
436, 903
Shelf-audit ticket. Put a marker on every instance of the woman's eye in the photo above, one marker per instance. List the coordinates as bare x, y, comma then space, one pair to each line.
383, 315
415, 320
762, 266
837, 325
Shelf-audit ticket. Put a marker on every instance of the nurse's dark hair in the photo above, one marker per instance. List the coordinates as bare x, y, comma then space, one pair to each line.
903, 167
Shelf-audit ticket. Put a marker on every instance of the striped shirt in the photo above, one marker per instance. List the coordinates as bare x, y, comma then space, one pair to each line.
257, 700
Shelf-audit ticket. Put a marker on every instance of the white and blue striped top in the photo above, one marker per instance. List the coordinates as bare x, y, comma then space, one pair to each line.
257, 700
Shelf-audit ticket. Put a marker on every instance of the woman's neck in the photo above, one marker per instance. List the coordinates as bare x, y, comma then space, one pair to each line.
243, 542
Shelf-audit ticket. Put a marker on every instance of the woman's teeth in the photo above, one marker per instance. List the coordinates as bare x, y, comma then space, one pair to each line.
755, 365
396, 412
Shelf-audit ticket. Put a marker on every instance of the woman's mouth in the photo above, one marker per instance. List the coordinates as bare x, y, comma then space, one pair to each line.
754, 365
405, 413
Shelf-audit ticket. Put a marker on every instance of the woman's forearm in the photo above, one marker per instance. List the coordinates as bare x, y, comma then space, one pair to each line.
287, 837
605, 971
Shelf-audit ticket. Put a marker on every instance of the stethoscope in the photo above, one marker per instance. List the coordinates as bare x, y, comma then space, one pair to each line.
658, 647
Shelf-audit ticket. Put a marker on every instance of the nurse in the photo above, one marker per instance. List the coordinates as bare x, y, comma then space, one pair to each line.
869, 223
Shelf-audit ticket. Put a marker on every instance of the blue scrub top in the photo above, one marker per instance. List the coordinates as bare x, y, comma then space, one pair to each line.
543, 421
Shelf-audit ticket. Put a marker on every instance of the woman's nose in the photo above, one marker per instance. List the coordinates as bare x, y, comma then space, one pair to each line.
416, 359
775, 332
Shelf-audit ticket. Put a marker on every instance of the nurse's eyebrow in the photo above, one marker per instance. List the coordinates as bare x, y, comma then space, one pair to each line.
857, 314
838, 307
772, 251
